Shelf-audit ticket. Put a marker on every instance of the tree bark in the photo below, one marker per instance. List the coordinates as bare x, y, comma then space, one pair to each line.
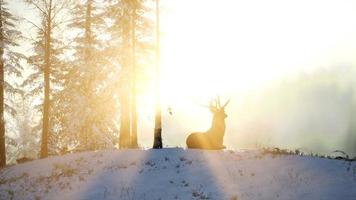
2, 83
85, 130
45, 125
124, 140
134, 143
157, 144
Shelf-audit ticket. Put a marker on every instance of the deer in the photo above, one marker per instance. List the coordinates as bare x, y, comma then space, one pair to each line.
213, 138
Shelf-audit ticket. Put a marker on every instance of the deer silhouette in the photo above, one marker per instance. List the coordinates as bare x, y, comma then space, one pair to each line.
214, 137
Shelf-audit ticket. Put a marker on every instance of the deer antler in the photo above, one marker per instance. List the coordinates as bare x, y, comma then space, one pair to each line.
212, 105
227, 102
218, 102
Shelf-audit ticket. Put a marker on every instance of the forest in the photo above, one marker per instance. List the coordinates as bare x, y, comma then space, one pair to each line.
69, 72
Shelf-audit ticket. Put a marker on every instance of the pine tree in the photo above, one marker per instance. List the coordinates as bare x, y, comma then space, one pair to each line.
121, 32
132, 41
26, 140
87, 102
9, 66
46, 59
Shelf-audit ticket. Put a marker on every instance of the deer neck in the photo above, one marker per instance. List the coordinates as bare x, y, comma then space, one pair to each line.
217, 126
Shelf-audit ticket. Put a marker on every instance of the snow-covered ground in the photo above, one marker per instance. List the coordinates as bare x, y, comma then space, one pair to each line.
179, 174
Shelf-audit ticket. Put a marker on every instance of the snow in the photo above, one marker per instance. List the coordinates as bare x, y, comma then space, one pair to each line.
175, 173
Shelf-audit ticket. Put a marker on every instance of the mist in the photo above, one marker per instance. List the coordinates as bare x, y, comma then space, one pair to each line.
311, 111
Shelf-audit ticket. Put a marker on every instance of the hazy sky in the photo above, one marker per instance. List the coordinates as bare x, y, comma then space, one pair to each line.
232, 45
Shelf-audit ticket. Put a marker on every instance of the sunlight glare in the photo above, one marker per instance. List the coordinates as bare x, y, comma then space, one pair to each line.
225, 47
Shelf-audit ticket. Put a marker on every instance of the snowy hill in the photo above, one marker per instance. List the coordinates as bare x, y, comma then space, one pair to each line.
179, 174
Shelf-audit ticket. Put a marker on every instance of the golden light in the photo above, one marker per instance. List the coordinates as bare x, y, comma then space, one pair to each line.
225, 47
232, 48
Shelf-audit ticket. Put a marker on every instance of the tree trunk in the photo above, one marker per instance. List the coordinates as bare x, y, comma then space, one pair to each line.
134, 143
157, 144
85, 130
45, 128
2, 83
124, 140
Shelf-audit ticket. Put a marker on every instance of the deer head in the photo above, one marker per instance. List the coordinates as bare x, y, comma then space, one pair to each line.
219, 115
216, 108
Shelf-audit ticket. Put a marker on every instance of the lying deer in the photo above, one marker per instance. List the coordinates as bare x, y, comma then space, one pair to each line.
213, 138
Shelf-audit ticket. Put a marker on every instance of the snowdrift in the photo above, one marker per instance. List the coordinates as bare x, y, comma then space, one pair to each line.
179, 174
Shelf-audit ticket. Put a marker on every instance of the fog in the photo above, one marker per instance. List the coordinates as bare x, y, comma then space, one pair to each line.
310, 111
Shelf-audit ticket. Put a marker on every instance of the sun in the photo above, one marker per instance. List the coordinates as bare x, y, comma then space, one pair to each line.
210, 48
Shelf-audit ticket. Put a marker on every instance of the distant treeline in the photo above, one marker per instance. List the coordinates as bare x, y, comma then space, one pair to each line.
314, 111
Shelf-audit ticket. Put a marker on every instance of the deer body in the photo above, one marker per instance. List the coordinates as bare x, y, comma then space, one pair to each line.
214, 137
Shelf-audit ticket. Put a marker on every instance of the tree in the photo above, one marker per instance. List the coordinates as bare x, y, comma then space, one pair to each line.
119, 12
9, 65
46, 58
27, 140
133, 18
131, 36
86, 117
120, 31
157, 144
